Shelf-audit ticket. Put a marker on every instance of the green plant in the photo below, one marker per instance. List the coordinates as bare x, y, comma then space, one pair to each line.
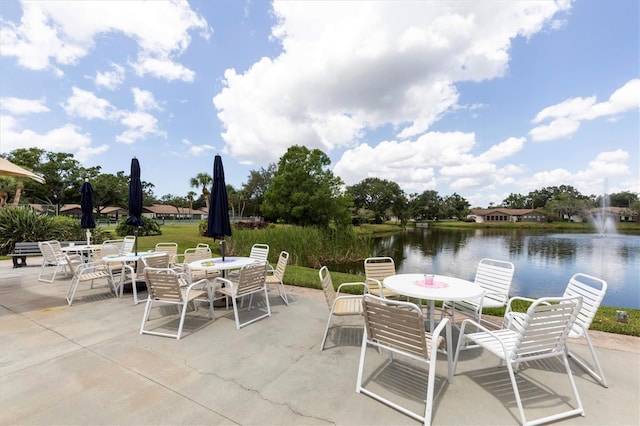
308, 245
22, 224
65, 228
149, 227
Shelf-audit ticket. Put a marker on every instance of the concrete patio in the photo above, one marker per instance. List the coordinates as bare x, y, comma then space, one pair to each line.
88, 364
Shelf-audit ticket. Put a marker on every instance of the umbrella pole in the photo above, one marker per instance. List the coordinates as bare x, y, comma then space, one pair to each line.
135, 244
88, 236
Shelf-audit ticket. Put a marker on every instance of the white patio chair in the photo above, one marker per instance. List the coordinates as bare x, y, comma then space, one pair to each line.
542, 334
109, 244
166, 286
171, 249
592, 290
398, 327
376, 269
276, 276
128, 243
191, 255
260, 252
83, 272
52, 255
495, 277
339, 305
252, 279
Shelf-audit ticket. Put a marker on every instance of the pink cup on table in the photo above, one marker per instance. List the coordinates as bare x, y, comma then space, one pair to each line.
428, 279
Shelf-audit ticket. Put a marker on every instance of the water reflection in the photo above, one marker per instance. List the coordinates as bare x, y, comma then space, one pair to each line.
544, 262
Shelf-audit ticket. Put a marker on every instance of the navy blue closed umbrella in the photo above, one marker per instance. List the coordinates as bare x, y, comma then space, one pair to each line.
135, 199
218, 224
86, 205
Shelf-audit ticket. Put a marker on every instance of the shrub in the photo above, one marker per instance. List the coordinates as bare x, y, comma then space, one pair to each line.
22, 224
149, 227
251, 225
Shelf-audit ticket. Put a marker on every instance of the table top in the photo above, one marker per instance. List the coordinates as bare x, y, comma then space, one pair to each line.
92, 247
217, 264
129, 257
444, 288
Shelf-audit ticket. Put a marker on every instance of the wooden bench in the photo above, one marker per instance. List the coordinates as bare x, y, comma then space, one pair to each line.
22, 250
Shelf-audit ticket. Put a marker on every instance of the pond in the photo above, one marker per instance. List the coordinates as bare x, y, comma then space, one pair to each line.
544, 262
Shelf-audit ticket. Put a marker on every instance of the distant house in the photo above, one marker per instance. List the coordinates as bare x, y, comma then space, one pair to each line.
619, 214
507, 215
166, 211
154, 211
111, 212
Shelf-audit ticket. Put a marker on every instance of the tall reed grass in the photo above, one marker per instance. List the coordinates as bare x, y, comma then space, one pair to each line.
308, 246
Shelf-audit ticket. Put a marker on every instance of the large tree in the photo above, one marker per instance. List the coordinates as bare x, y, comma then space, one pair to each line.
515, 201
382, 197
454, 205
110, 190
425, 205
304, 191
256, 186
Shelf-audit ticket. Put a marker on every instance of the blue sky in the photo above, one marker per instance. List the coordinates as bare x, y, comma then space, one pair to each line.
479, 98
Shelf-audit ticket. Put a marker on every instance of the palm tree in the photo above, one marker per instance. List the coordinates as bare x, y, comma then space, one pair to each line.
204, 180
190, 196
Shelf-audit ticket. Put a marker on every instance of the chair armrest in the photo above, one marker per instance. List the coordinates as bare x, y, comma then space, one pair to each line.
225, 281
91, 266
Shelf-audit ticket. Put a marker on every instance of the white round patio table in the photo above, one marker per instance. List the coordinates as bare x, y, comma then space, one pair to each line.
217, 264
444, 288
126, 258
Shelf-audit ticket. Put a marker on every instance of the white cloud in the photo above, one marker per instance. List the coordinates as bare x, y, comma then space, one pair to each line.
62, 32
110, 79
144, 100
503, 150
67, 138
21, 106
85, 104
162, 68
140, 126
566, 116
347, 68
431, 161
590, 181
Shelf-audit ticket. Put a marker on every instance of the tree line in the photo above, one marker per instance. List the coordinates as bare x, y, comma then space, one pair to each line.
300, 189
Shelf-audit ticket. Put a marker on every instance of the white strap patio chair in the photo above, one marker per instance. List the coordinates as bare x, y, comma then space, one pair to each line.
592, 291
542, 335
376, 269
86, 272
52, 255
128, 243
252, 279
171, 249
399, 327
276, 276
495, 277
168, 287
340, 305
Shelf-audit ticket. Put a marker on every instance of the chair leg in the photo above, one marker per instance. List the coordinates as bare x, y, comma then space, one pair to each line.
326, 331
182, 316
363, 351
595, 372
73, 286
430, 384
283, 293
147, 311
42, 268
235, 312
